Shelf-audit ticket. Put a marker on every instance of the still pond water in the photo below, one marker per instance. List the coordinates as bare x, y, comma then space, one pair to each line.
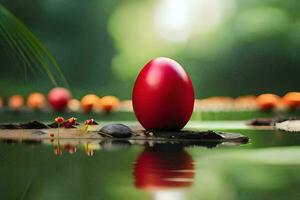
268, 167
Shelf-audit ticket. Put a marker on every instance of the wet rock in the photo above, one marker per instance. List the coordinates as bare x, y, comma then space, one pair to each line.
202, 138
8, 126
28, 125
189, 135
261, 122
33, 125
269, 121
53, 125
289, 125
116, 130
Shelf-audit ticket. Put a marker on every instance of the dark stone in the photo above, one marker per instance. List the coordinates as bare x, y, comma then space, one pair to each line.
116, 130
53, 125
203, 138
269, 121
188, 135
33, 125
261, 122
28, 125
8, 126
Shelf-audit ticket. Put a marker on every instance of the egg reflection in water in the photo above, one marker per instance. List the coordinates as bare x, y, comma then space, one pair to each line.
165, 172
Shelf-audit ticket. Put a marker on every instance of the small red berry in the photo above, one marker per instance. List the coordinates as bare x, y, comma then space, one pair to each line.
89, 122
51, 140
70, 123
59, 120
72, 120
51, 134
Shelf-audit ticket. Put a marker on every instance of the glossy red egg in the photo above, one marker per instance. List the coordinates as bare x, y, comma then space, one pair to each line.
163, 95
58, 98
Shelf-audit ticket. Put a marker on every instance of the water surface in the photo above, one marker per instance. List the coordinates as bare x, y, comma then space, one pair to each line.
268, 167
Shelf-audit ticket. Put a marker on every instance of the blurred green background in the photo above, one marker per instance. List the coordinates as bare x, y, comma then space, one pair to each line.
229, 47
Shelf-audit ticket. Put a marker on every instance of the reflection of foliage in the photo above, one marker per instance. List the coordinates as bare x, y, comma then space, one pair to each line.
267, 173
25, 46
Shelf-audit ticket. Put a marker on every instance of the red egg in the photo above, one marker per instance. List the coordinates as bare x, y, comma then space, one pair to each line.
163, 95
58, 98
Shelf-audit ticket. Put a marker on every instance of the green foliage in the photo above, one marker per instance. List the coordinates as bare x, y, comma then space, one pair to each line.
19, 42
102, 45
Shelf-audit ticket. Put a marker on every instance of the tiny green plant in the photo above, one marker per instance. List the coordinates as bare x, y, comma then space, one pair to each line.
59, 121
87, 127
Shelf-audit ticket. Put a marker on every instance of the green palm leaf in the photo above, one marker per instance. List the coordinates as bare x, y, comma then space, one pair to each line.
21, 43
